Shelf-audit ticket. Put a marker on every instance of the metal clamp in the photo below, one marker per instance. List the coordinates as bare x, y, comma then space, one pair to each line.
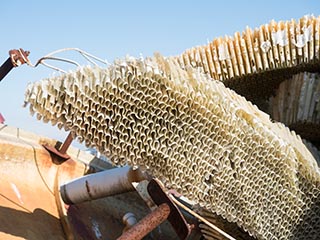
17, 58
166, 210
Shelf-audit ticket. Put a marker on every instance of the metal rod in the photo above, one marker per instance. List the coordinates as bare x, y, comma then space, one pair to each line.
17, 57
147, 224
59, 155
5, 68
129, 220
66, 144
201, 218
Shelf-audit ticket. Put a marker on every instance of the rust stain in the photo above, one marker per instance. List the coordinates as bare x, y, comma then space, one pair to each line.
88, 189
26, 198
30, 198
28, 191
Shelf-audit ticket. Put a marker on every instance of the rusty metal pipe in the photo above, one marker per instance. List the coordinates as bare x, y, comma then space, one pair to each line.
66, 144
147, 224
101, 184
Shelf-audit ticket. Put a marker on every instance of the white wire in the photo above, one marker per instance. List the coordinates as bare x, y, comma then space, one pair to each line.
50, 56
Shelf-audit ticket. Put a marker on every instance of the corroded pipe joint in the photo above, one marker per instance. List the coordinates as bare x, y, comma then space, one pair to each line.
101, 184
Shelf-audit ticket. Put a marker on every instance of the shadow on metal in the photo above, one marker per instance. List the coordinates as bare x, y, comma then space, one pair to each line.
30, 225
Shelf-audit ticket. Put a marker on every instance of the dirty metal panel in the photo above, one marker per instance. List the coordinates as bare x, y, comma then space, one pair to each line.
29, 207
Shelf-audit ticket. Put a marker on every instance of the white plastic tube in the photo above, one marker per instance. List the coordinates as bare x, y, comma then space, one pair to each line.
101, 184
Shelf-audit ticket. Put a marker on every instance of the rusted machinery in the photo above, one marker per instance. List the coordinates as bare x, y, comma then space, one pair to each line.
170, 118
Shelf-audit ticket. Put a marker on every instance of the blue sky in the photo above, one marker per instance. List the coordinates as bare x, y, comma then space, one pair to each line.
112, 29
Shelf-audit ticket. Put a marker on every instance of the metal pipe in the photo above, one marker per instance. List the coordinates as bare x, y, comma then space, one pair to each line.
129, 220
5, 68
17, 57
66, 143
101, 184
147, 224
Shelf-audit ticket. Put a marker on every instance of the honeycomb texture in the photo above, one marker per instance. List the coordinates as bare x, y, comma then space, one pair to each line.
274, 51
231, 228
195, 135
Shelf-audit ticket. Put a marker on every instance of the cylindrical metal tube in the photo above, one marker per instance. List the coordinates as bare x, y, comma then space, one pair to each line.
66, 144
129, 219
147, 224
101, 184
5, 68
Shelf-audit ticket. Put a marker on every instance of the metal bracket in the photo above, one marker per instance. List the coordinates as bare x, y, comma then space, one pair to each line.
176, 219
59, 155
166, 210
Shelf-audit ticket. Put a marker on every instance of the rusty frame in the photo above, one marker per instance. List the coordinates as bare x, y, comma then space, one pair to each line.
166, 210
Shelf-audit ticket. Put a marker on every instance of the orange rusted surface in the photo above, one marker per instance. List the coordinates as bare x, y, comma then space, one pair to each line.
27, 204
28, 185
29, 197
30, 202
